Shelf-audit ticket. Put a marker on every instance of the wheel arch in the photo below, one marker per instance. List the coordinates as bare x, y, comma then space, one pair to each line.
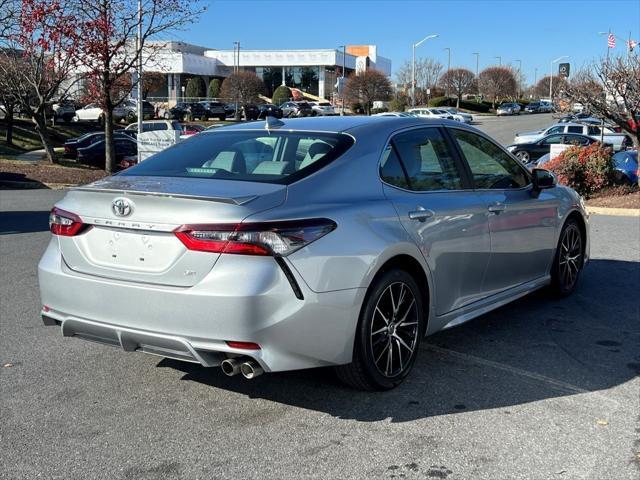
408, 263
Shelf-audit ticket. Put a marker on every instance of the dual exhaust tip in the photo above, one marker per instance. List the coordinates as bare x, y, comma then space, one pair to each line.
249, 369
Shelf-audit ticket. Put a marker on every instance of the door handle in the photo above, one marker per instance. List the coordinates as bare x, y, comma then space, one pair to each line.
420, 214
497, 208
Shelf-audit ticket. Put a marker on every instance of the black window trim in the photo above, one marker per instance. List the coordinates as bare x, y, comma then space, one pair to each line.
455, 155
528, 186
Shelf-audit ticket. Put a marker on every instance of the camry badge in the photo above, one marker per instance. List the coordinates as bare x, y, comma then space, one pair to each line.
121, 207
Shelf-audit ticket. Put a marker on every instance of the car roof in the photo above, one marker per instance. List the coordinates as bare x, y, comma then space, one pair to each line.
345, 124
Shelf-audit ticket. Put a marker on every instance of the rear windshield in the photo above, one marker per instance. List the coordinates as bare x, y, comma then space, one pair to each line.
255, 156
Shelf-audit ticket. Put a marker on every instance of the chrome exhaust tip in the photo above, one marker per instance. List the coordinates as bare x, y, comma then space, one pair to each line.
251, 369
230, 366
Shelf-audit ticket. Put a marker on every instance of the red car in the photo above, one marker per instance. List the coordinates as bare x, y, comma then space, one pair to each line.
189, 129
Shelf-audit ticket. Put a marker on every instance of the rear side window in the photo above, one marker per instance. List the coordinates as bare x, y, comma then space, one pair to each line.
490, 166
391, 170
427, 160
574, 129
255, 156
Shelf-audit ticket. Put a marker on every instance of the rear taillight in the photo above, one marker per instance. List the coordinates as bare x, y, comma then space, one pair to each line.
265, 238
65, 224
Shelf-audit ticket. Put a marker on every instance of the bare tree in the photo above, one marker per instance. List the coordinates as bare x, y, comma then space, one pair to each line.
541, 88
368, 87
428, 72
611, 90
497, 83
243, 87
36, 58
109, 51
461, 81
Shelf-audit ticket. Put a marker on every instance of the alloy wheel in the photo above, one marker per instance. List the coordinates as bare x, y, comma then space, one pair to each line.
524, 156
570, 258
394, 330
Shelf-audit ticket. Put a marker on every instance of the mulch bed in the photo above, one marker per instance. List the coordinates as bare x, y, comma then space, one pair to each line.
616, 197
46, 173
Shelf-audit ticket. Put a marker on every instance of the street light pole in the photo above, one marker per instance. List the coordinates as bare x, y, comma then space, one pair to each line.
139, 109
551, 77
519, 76
344, 59
477, 54
448, 69
413, 66
499, 60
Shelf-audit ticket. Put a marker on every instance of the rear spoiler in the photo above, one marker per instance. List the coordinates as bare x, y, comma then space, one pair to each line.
232, 200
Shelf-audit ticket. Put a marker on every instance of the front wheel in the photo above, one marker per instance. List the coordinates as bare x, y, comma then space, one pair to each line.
568, 261
388, 335
524, 157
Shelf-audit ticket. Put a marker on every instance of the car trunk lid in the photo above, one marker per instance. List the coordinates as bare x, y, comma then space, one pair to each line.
140, 245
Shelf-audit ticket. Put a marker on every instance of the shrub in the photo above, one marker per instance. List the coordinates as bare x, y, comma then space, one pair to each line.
379, 110
214, 88
585, 169
195, 88
398, 104
464, 104
282, 94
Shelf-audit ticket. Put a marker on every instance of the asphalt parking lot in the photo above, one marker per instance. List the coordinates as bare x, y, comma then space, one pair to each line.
539, 389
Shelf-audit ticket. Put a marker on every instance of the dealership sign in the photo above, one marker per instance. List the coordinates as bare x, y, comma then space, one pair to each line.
154, 142
563, 70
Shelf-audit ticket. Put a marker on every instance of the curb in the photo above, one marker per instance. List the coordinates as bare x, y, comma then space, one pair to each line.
14, 185
619, 212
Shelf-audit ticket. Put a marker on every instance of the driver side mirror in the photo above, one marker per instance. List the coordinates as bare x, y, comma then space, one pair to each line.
543, 179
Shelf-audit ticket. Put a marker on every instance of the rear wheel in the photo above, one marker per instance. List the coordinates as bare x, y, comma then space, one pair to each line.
389, 331
569, 260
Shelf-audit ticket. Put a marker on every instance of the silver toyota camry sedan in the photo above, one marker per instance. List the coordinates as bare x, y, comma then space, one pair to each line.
281, 245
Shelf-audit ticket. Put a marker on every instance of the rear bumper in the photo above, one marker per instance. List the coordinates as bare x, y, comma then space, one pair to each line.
243, 298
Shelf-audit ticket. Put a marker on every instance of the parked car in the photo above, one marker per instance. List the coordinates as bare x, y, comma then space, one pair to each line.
627, 167
178, 112
458, 115
94, 154
393, 114
72, 145
533, 107
508, 109
322, 109
214, 109
430, 113
291, 263
131, 110
528, 152
269, 110
93, 113
64, 110
617, 140
190, 129
250, 111
152, 126
296, 109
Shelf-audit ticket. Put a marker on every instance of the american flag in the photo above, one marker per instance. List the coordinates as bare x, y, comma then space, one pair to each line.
631, 44
612, 40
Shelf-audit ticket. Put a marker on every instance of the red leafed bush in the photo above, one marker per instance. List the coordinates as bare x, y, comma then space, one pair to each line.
585, 169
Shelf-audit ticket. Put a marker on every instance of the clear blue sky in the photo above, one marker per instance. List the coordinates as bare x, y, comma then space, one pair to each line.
535, 32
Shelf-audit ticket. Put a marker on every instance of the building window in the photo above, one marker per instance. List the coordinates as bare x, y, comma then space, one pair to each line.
303, 78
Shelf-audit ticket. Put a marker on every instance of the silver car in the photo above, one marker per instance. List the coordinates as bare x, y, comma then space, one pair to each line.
508, 109
293, 244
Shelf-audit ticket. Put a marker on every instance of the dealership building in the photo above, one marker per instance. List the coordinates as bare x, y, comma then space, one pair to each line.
314, 72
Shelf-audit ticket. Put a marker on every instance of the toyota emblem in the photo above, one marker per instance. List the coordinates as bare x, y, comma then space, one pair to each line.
121, 207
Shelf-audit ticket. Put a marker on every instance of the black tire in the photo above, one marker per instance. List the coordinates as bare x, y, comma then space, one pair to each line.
222, 118
131, 117
569, 255
364, 372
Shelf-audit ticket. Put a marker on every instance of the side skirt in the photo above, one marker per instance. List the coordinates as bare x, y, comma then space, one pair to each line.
469, 312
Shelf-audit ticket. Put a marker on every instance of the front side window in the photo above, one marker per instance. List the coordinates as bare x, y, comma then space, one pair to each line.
557, 129
255, 156
594, 131
552, 140
490, 166
427, 160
